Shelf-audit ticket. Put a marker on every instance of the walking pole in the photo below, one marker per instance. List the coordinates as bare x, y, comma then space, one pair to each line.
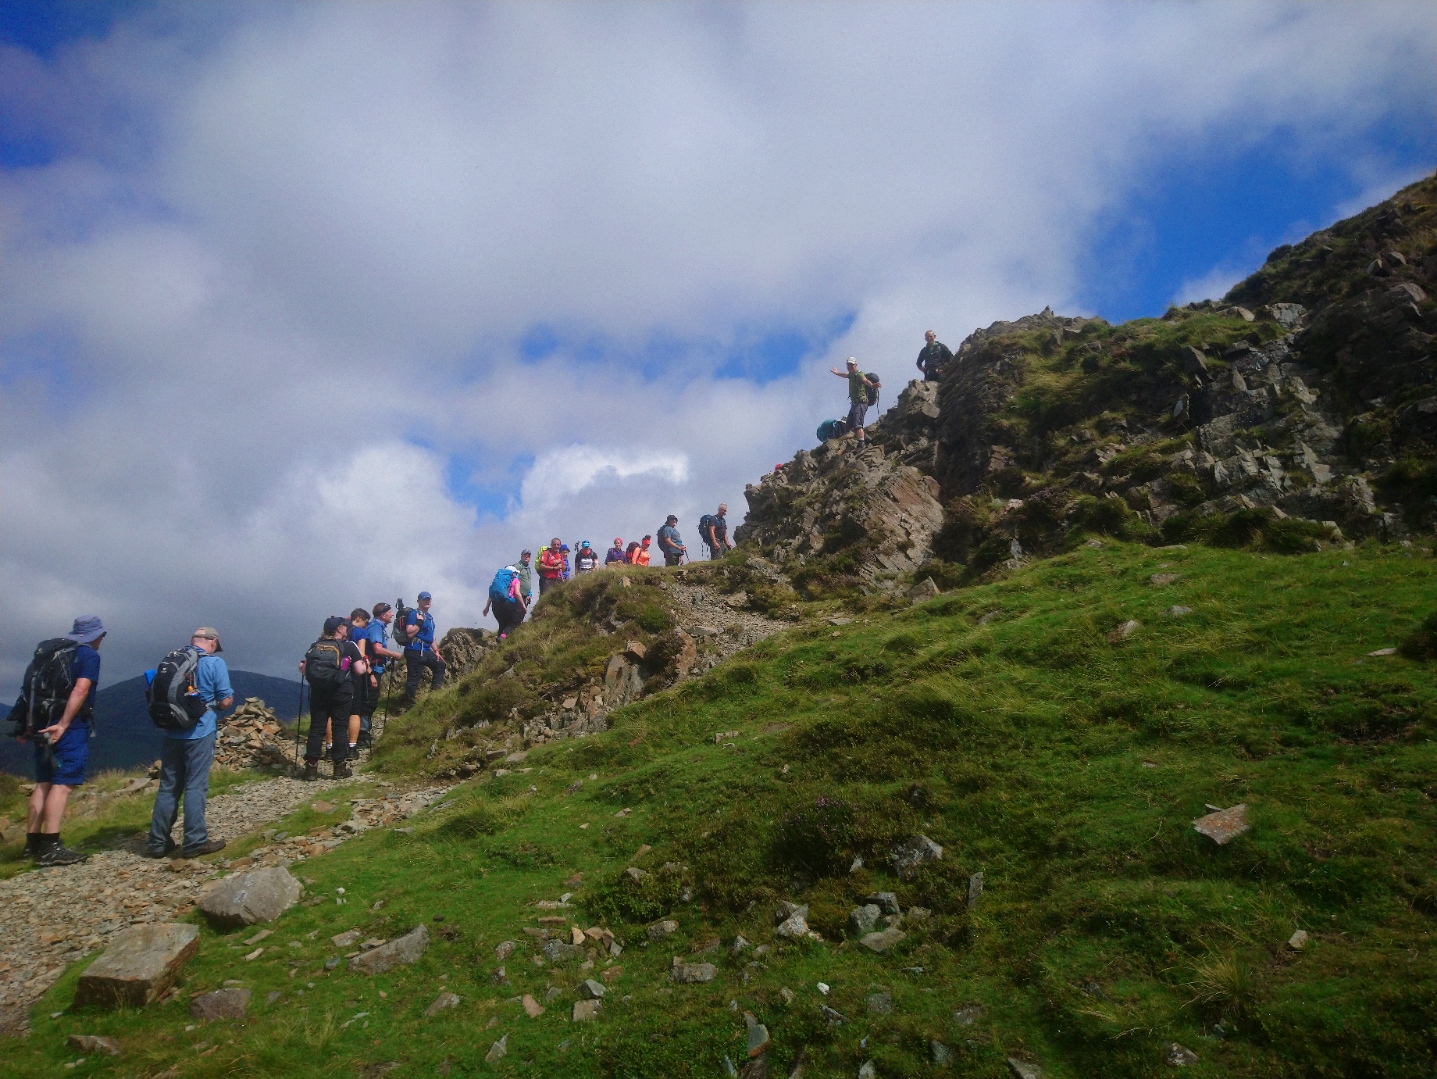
299, 712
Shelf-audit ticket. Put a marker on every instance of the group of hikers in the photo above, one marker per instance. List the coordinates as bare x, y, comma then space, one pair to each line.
511, 593
342, 669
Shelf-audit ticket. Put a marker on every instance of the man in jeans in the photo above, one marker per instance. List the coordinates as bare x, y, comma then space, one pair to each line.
186, 756
420, 653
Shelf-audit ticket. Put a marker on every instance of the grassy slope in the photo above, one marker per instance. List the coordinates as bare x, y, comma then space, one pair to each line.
1108, 927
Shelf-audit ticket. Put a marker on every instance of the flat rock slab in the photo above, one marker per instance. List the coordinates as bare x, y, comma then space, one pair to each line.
585, 1010
221, 1004
1021, 1069
402, 952
693, 973
918, 851
532, 1008
558, 951
881, 942
442, 1003
93, 1043
139, 965
260, 895
1223, 826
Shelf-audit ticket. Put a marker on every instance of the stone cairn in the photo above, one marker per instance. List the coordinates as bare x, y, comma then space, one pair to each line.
252, 737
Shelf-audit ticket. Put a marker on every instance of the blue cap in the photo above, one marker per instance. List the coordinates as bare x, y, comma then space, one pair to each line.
425, 595
87, 629
584, 544
563, 546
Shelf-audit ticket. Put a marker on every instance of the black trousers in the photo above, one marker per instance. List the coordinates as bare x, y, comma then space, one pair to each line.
417, 662
329, 705
507, 612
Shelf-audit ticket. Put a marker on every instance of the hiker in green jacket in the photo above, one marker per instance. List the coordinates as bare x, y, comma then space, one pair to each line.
858, 386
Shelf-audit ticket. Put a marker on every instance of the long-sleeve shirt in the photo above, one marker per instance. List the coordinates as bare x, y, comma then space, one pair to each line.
212, 681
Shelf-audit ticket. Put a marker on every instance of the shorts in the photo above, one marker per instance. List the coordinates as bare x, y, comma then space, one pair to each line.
855, 414
71, 755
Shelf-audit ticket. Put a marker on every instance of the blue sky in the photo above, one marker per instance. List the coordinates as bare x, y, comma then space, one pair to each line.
358, 299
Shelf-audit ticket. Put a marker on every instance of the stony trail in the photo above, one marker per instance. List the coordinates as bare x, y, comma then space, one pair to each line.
50, 918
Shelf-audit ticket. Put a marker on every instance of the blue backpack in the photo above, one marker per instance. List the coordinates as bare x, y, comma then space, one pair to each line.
832, 429
502, 580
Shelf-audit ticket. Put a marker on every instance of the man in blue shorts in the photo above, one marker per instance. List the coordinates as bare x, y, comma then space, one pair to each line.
378, 654
186, 756
65, 695
420, 653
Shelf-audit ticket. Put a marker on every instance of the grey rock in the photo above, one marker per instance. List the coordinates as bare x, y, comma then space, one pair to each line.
881, 942
661, 929
924, 589
220, 1004
833, 1015
1125, 631
94, 1043
503, 950
442, 1003
975, 889
918, 851
1021, 1069
867, 1071
727, 1067
402, 952
967, 1015
558, 951
692, 973
1179, 611
586, 1010
1223, 826
139, 965
740, 945
787, 910
635, 875
887, 902
260, 895
346, 940
794, 927
331, 963
591, 990
1287, 315
941, 1053
880, 1003
758, 1036
863, 919
1179, 1056
497, 1050
553, 994
1298, 940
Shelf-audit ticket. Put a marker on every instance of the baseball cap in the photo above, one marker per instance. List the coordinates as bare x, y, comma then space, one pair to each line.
333, 622
87, 629
584, 544
853, 360
425, 595
208, 633
673, 517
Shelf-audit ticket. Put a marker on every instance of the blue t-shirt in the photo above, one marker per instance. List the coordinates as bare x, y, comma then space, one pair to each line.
378, 637
422, 639
212, 680
86, 664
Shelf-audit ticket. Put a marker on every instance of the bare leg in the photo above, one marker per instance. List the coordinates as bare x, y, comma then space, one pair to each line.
54, 812
36, 809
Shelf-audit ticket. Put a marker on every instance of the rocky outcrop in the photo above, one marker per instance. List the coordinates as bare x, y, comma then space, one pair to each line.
879, 506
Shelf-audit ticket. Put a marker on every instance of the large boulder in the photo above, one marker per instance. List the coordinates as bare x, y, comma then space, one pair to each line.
261, 895
139, 965
220, 1004
403, 952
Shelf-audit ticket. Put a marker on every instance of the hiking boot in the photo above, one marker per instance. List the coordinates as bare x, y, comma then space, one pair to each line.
32, 844
342, 770
311, 771
170, 847
366, 740
199, 850
60, 855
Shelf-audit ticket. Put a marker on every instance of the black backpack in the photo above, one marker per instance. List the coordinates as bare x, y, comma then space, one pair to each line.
175, 703
871, 392
323, 664
706, 522
397, 628
46, 688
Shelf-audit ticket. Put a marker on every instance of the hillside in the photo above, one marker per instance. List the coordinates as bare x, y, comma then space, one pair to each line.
908, 784
126, 738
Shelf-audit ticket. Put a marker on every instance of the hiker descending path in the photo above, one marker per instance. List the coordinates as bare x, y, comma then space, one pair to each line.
52, 917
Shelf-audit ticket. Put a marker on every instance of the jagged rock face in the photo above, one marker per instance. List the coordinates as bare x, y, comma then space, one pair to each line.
878, 504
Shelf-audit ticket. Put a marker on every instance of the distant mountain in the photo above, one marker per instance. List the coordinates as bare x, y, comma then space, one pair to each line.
124, 735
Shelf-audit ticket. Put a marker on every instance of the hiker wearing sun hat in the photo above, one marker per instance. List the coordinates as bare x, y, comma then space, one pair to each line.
55, 711
186, 756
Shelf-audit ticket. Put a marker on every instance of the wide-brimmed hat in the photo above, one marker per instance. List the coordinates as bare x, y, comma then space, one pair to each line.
208, 633
87, 629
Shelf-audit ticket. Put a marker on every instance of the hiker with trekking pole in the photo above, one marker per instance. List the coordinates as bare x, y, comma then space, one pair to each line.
379, 655
670, 543
328, 667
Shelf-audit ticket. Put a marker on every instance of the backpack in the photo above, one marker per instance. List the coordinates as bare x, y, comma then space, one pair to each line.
706, 522
502, 580
832, 429
175, 703
325, 665
871, 392
47, 687
397, 628
629, 551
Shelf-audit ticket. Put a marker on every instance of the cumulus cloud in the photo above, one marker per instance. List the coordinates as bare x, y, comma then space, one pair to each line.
264, 318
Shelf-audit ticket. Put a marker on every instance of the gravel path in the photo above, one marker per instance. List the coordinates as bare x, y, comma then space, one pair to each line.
51, 917
725, 630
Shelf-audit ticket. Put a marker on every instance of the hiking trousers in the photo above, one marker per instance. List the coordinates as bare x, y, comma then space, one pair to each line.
507, 612
418, 662
184, 771
329, 706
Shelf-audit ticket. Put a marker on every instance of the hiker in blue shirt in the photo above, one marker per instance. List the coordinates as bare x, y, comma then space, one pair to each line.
62, 748
420, 653
378, 653
186, 756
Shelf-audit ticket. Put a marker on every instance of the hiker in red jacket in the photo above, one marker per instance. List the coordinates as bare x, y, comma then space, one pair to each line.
551, 565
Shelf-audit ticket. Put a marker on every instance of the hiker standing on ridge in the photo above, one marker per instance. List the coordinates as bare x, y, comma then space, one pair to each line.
420, 652
186, 757
858, 386
713, 532
506, 600
670, 543
54, 710
933, 357
615, 553
377, 654
526, 577
586, 559
641, 552
366, 685
551, 566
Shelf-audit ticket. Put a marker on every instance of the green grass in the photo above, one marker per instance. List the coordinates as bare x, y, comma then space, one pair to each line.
1000, 721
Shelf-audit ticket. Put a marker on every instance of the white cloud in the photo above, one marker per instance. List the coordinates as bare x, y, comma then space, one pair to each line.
263, 307
1212, 285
